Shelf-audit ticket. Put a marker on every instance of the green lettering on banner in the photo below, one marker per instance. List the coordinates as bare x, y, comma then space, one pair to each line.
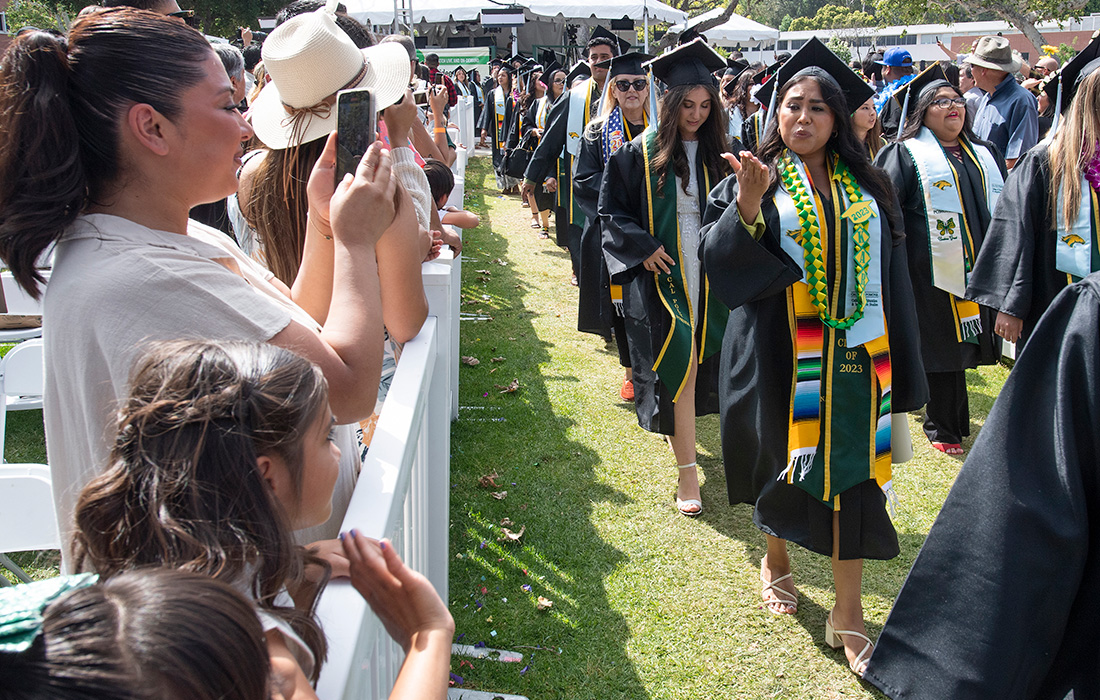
449, 59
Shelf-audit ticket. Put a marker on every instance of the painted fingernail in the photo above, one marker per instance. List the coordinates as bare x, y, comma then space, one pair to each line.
342, 536
354, 532
382, 544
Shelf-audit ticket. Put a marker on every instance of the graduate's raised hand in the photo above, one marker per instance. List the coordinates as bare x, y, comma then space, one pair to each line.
660, 260
753, 179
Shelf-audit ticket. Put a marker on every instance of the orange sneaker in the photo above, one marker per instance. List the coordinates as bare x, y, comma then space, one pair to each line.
627, 392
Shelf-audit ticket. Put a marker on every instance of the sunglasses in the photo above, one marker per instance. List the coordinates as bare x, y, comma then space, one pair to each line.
188, 17
625, 85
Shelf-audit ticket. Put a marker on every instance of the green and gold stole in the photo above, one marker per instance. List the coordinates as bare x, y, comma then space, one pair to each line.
950, 241
674, 361
1077, 250
839, 421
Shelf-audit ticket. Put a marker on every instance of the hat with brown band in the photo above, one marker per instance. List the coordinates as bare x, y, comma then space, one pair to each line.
994, 52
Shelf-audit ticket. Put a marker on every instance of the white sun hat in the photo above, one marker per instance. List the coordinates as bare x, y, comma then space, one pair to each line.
310, 59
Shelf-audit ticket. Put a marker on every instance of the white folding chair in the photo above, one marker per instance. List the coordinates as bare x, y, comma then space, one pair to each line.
27, 519
22, 376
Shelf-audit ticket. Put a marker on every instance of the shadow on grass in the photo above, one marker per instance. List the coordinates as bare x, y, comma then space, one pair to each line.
576, 648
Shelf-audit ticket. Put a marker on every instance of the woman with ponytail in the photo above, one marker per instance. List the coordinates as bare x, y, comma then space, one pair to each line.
102, 158
804, 244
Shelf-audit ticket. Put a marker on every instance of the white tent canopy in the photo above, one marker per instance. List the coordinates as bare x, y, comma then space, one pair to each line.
736, 30
435, 11
607, 10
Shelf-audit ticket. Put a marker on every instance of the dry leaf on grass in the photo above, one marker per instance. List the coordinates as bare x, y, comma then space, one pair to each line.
545, 603
472, 361
506, 522
499, 495
510, 536
497, 359
488, 480
510, 388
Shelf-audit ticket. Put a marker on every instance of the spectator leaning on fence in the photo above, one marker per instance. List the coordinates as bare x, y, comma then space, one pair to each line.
114, 195
1008, 115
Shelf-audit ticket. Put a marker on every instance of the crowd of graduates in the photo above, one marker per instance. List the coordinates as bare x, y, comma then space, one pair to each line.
813, 252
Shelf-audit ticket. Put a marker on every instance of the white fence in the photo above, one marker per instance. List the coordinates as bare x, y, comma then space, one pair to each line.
403, 493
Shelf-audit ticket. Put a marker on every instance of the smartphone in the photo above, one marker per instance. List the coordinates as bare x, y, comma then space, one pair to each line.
438, 79
420, 98
356, 124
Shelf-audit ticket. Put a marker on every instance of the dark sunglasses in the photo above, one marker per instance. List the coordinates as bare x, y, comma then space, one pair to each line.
188, 17
625, 85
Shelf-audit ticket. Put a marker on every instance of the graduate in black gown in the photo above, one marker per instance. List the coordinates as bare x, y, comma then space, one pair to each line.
553, 77
804, 245
653, 194
624, 115
947, 182
1002, 600
500, 120
1030, 253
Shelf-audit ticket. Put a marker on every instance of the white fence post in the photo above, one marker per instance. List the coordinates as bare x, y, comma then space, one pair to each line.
403, 493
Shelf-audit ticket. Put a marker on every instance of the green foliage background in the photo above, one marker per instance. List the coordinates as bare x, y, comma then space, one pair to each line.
219, 17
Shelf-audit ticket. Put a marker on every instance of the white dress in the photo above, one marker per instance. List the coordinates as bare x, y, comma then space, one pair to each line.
689, 216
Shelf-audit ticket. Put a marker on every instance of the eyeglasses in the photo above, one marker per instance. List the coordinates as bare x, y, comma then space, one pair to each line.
945, 102
625, 85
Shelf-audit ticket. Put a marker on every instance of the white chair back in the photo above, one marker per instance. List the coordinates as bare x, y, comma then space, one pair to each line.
22, 381
27, 520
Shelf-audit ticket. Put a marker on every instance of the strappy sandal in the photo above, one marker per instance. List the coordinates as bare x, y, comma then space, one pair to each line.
835, 639
536, 224
682, 504
779, 596
545, 233
949, 448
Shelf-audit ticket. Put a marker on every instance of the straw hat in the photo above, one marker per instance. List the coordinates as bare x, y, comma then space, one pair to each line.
994, 52
310, 59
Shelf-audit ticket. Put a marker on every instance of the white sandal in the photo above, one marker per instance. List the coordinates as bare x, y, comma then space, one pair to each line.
782, 595
835, 639
683, 503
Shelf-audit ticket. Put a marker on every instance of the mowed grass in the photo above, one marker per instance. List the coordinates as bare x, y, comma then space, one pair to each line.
645, 603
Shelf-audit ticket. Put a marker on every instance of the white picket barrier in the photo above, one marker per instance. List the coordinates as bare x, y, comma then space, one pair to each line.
403, 493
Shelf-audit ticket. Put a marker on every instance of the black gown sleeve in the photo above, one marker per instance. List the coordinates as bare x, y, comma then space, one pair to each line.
739, 267
909, 389
1001, 602
1004, 271
589, 176
545, 158
627, 242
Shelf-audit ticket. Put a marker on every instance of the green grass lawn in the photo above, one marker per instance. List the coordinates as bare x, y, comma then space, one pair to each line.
646, 603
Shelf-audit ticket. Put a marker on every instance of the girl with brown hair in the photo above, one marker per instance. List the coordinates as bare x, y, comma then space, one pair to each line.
224, 449
651, 202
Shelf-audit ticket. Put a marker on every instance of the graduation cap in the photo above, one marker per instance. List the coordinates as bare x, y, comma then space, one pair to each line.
690, 64
517, 57
735, 68
762, 76
815, 58
1064, 87
530, 66
627, 64
908, 95
598, 32
581, 70
689, 35
550, 68
547, 56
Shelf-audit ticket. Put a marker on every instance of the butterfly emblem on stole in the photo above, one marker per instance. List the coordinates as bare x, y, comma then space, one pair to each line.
942, 184
946, 229
794, 233
1072, 239
574, 135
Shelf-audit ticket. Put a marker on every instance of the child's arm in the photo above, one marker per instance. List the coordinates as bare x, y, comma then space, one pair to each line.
411, 611
461, 218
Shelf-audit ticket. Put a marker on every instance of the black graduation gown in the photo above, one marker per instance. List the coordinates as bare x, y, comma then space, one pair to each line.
511, 127
940, 347
594, 311
1015, 270
543, 199
1002, 600
626, 245
751, 277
